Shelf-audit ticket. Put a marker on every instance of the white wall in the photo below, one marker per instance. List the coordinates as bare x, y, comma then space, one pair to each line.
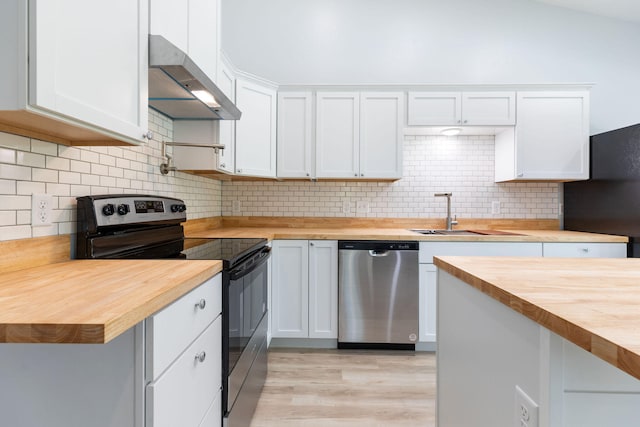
438, 42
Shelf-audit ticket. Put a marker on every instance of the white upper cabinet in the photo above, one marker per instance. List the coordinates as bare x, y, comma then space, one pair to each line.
359, 134
337, 134
79, 73
381, 124
493, 108
295, 135
191, 25
256, 129
550, 140
227, 83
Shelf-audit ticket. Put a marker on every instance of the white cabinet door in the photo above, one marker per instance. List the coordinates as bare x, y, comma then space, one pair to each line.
495, 108
295, 135
434, 109
551, 140
381, 124
88, 61
170, 19
427, 303
256, 129
290, 289
182, 395
191, 25
337, 134
584, 250
323, 289
488, 108
204, 40
227, 136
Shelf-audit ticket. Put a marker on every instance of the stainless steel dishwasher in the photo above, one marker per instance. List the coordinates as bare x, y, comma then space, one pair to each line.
378, 294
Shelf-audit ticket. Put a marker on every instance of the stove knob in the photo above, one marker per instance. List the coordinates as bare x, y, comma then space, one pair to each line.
178, 208
123, 209
108, 209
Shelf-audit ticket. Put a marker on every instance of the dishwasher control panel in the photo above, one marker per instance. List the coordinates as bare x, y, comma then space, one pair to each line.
378, 245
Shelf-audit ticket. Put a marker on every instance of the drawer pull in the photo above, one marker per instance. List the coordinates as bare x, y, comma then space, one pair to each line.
201, 304
201, 356
585, 249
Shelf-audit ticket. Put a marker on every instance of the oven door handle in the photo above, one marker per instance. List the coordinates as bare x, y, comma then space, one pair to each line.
240, 272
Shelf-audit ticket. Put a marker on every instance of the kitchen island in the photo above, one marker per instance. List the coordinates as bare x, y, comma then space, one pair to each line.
563, 332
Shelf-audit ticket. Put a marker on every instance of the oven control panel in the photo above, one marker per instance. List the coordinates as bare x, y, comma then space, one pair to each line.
132, 209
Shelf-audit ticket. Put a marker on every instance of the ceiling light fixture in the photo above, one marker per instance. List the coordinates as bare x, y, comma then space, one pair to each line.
451, 131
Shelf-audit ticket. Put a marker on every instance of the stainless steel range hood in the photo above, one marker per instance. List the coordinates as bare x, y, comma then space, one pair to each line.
179, 89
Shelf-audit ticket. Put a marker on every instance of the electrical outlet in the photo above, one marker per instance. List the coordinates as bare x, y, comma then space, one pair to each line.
495, 207
235, 207
526, 410
362, 207
346, 207
41, 209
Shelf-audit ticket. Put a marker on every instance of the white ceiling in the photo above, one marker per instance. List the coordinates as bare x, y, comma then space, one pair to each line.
628, 10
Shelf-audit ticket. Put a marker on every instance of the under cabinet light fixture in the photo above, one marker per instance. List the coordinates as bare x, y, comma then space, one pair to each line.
451, 131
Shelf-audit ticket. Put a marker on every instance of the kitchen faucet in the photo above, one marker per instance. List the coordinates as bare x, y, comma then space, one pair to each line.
450, 222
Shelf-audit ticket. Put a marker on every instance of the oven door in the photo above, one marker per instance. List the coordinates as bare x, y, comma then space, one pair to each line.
244, 321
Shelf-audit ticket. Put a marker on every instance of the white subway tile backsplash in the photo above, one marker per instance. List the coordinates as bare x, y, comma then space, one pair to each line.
29, 187
14, 141
30, 159
45, 175
70, 172
14, 172
462, 165
43, 147
7, 155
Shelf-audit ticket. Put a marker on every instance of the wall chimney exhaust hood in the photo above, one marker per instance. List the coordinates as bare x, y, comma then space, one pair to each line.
179, 89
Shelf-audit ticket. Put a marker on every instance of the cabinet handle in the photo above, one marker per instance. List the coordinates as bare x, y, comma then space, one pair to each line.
201, 304
201, 356
356, 175
222, 165
361, 174
148, 135
520, 175
585, 250
239, 170
465, 121
307, 174
459, 121
310, 243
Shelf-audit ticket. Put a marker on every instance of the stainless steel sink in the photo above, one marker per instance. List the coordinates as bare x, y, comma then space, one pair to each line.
446, 232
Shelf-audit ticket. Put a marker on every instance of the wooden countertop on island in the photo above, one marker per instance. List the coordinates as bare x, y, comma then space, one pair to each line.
91, 301
594, 303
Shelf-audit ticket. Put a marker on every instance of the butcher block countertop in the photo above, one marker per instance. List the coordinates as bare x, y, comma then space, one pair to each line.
342, 233
594, 303
91, 301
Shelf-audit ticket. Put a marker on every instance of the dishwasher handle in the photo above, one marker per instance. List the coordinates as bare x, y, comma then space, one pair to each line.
378, 252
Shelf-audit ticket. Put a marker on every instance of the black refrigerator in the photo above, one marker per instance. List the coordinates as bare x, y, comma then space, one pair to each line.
609, 202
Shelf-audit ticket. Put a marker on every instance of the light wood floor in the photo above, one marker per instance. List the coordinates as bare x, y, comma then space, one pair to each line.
327, 388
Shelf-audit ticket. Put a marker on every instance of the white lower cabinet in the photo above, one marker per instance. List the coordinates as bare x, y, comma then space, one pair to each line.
429, 278
183, 356
305, 289
585, 250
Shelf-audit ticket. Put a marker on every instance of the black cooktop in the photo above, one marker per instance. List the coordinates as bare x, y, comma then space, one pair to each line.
230, 251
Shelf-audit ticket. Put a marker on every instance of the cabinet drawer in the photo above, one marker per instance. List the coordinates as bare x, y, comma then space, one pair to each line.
585, 250
430, 249
172, 329
182, 395
213, 417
